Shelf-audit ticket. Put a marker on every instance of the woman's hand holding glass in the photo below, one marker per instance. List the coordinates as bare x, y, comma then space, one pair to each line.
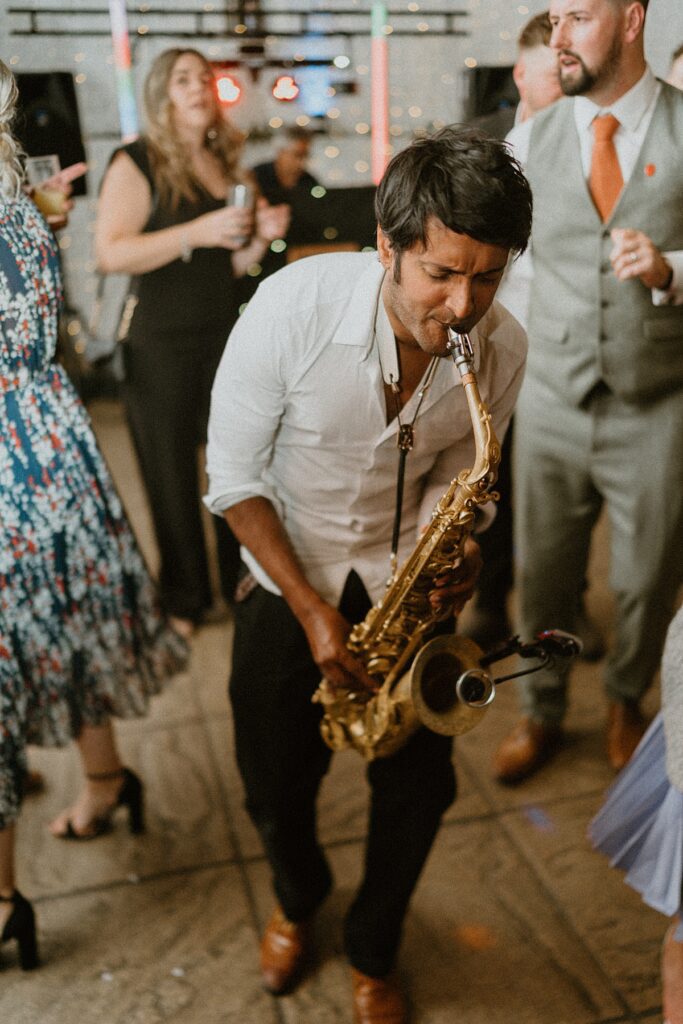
51, 196
272, 221
221, 229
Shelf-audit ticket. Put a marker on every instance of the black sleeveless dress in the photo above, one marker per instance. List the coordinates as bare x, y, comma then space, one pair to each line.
183, 316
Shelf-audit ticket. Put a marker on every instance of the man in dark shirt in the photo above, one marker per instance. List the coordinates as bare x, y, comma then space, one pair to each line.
283, 179
286, 180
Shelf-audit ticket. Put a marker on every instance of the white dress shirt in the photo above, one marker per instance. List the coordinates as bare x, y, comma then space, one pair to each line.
298, 416
634, 112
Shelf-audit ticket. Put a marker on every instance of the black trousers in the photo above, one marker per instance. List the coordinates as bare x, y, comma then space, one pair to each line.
282, 760
495, 581
167, 396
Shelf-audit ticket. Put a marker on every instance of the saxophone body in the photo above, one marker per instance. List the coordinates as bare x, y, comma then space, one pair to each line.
434, 682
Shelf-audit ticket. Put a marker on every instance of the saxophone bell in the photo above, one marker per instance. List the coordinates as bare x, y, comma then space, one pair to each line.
449, 689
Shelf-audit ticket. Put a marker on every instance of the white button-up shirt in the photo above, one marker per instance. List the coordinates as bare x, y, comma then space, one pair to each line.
298, 416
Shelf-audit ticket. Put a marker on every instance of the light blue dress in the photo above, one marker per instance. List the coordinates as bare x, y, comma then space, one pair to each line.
640, 826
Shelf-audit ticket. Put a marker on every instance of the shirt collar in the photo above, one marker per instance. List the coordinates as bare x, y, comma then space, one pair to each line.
356, 326
386, 343
629, 109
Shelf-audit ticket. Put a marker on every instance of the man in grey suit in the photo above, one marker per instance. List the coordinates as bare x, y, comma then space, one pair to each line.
600, 418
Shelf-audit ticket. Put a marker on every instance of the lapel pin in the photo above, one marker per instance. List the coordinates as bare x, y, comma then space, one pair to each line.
650, 169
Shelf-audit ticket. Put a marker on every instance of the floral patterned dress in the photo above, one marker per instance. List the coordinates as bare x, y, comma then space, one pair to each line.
81, 636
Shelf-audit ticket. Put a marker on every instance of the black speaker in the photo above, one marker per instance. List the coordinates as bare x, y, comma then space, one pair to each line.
490, 88
47, 119
340, 215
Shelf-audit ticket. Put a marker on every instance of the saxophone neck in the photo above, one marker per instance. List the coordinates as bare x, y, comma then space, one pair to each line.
486, 443
460, 347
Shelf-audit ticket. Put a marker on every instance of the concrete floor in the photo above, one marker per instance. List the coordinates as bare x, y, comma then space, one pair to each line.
515, 921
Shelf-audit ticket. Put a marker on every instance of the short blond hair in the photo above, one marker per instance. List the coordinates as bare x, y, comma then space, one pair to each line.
536, 32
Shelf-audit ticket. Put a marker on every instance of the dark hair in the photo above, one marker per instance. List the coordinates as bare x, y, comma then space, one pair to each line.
643, 3
536, 32
678, 52
463, 177
296, 133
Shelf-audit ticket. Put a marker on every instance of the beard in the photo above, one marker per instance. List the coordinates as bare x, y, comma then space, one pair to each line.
587, 80
424, 330
582, 83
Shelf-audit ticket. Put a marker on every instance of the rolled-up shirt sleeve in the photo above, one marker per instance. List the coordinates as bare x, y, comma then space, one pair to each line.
247, 402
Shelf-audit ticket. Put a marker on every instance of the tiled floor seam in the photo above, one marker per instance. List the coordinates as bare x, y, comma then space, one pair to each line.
138, 880
630, 1018
550, 895
239, 861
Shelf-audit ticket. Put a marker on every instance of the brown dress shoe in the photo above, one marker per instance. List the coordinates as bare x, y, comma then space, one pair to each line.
525, 750
284, 948
377, 1000
34, 783
625, 728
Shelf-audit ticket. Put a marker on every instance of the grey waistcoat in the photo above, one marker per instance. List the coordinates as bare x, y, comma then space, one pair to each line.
584, 325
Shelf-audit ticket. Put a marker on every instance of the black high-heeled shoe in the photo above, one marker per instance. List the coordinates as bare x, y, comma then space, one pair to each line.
21, 925
130, 796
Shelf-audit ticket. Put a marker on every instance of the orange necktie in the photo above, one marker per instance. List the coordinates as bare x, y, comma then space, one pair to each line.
606, 181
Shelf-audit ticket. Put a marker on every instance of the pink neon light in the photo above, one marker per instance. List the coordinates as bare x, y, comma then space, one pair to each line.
379, 81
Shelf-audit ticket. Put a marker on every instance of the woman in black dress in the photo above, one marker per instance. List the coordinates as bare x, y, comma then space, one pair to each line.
163, 219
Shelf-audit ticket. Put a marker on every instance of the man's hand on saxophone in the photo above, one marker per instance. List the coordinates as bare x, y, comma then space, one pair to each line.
453, 590
327, 631
257, 525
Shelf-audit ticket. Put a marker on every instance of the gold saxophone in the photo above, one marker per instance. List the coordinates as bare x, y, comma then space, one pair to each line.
439, 682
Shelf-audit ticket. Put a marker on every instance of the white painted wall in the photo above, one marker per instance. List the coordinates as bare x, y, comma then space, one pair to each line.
427, 81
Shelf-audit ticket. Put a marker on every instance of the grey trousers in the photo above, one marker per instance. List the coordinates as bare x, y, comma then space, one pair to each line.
568, 463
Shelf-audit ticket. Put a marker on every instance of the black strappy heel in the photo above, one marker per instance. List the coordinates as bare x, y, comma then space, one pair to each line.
21, 925
130, 796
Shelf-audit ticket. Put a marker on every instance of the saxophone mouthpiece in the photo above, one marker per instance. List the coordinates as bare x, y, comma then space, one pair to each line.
459, 344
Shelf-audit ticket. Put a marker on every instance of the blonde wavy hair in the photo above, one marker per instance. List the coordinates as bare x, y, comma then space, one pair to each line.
170, 166
11, 167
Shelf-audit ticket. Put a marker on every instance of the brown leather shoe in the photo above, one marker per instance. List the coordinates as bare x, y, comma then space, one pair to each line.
284, 948
525, 750
34, 783
625, 728
377, 1000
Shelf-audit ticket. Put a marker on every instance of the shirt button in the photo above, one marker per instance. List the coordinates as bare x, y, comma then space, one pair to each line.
605, 267
603, 336
604, 303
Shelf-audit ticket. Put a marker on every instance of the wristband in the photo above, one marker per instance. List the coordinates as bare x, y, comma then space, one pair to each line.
185, 248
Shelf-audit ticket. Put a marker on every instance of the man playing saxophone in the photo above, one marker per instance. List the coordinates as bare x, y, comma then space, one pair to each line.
334, 358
